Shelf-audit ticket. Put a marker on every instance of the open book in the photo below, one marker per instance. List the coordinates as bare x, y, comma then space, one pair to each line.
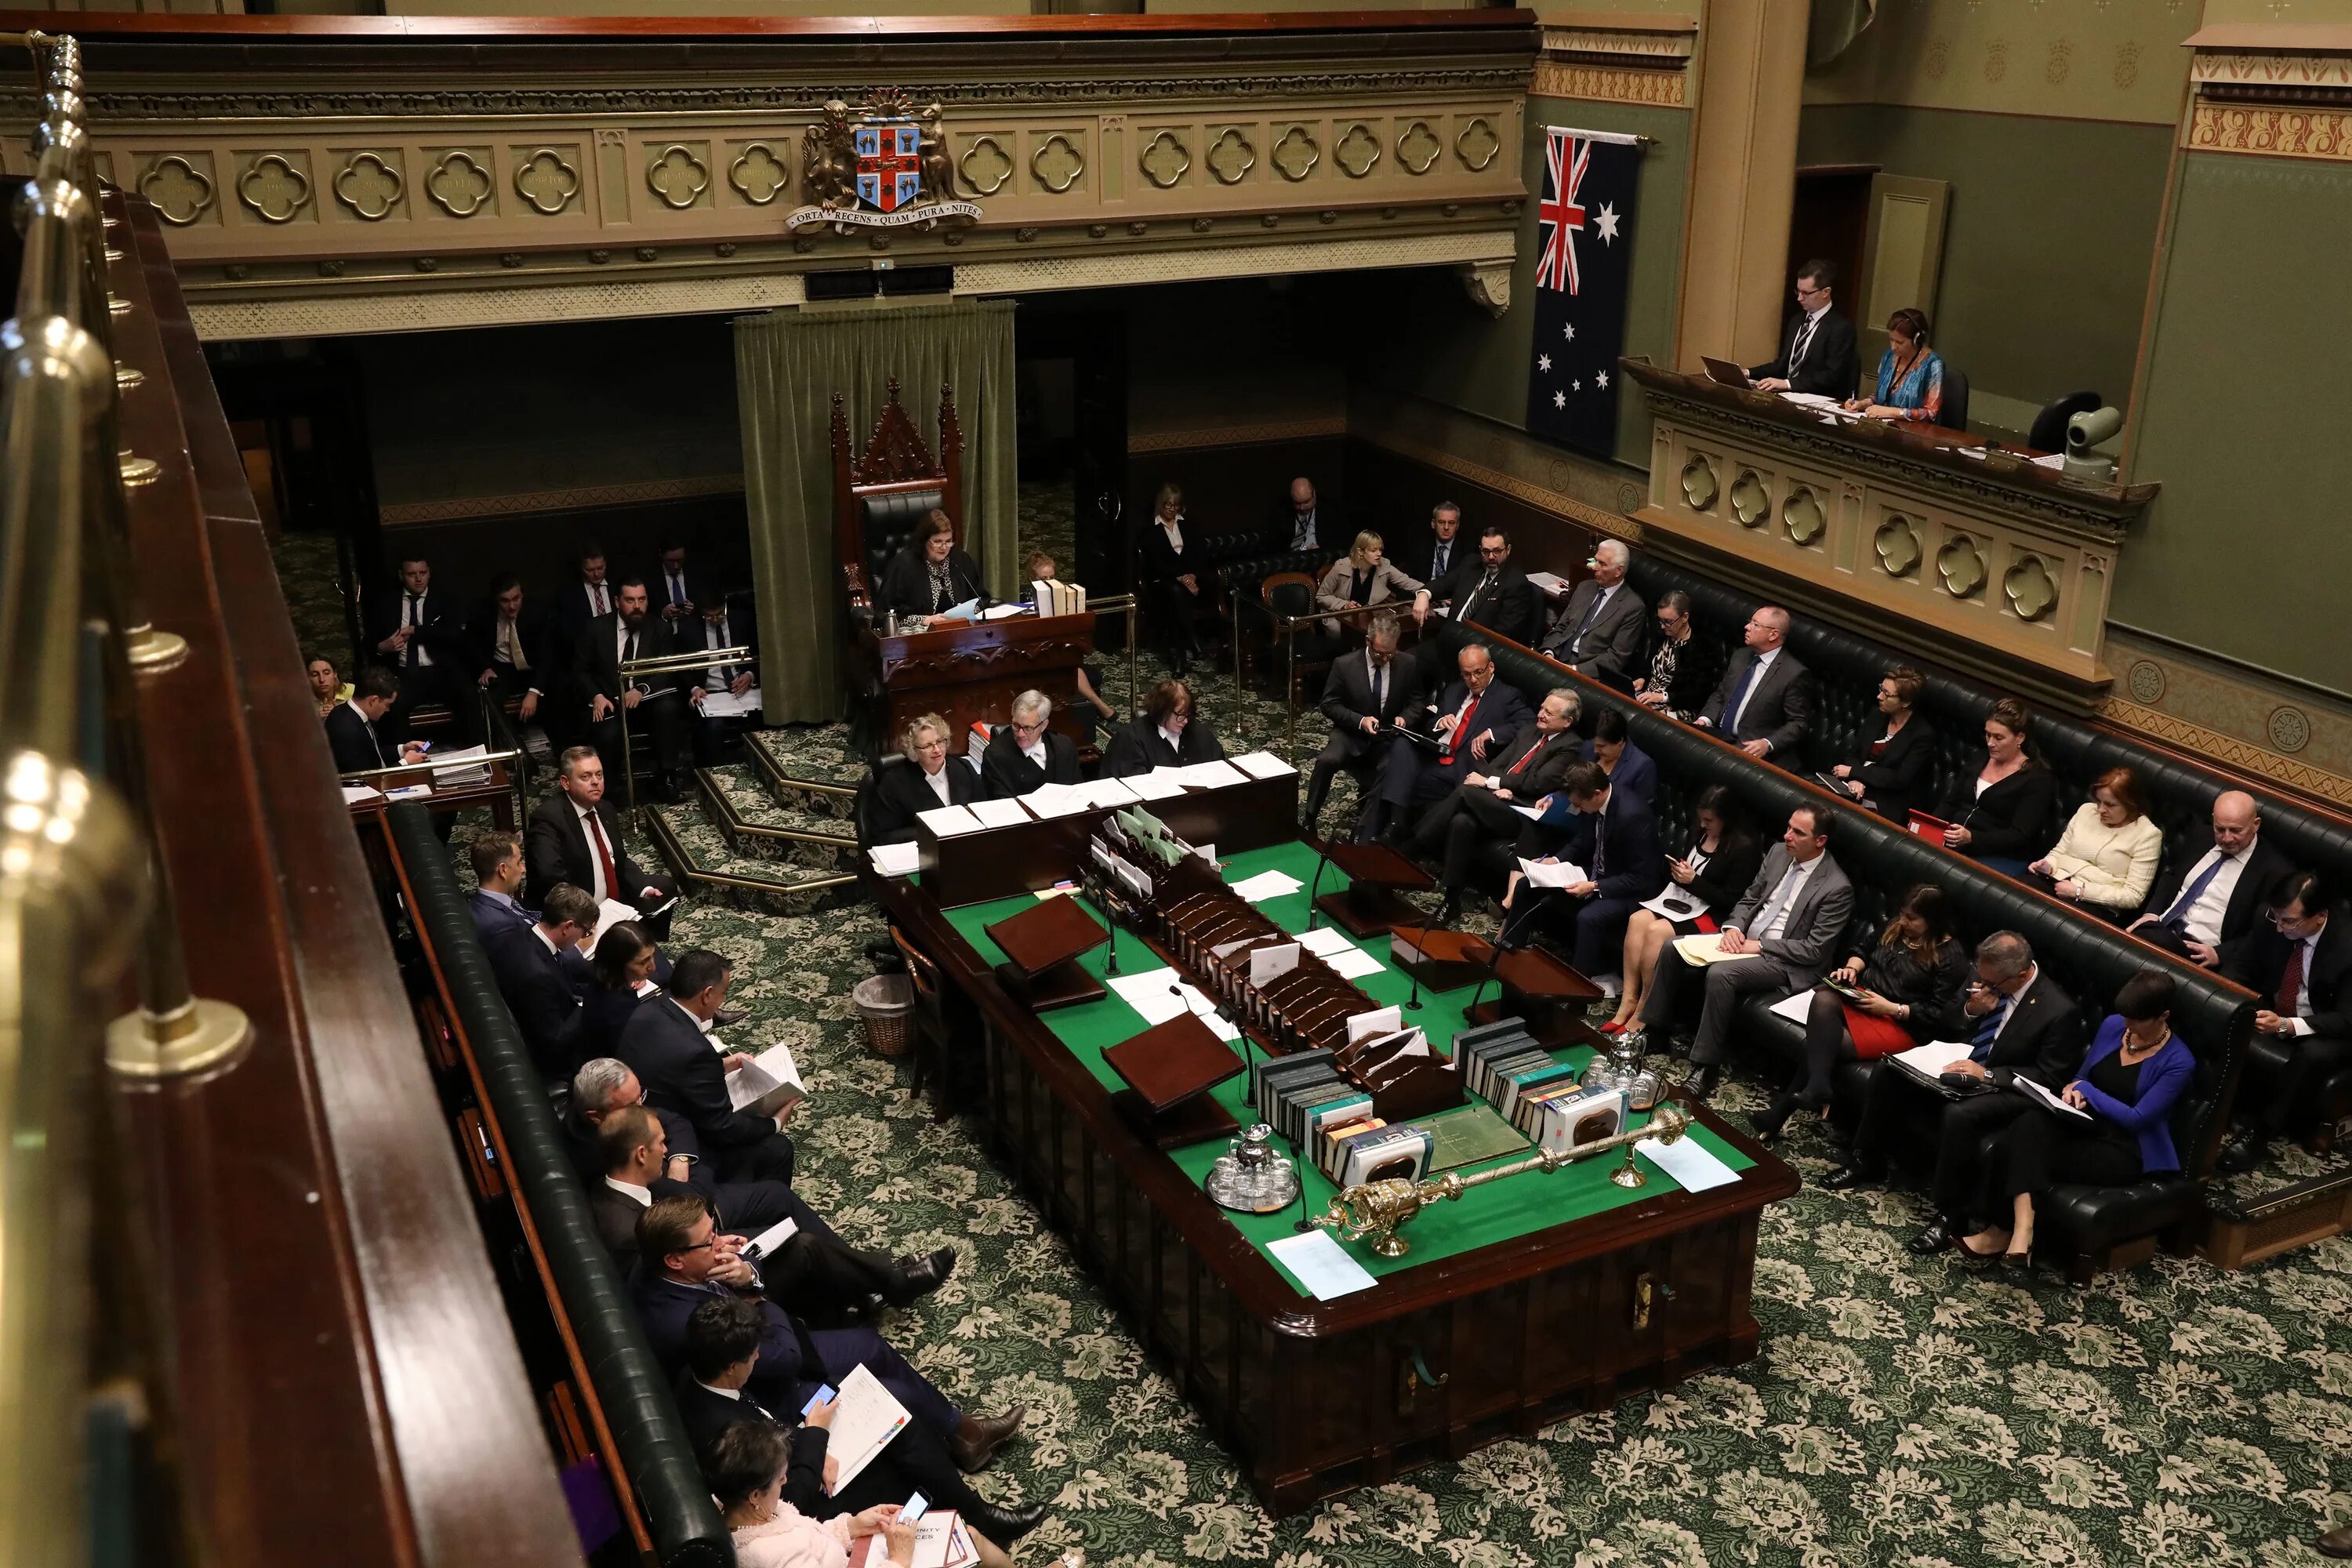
769, 1085
1552, 873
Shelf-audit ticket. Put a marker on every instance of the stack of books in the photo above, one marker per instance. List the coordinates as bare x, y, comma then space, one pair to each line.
1330, 1120
1057, 597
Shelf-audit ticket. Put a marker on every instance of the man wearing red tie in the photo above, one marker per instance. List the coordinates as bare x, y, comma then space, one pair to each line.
575, 837
1477, 718
2299, 961
1478, 816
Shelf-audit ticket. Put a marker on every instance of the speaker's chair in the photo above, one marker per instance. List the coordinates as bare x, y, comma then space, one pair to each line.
883, 492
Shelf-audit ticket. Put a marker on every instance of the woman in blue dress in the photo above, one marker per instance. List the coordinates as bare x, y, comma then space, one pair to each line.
1910, 374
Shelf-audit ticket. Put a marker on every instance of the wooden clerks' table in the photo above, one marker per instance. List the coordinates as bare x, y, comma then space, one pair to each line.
1530, 1297
974, 671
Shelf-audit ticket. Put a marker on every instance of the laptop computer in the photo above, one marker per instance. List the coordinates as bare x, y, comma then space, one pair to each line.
1723, 370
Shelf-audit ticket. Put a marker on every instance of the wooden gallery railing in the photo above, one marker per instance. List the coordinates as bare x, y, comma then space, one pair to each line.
244, 1313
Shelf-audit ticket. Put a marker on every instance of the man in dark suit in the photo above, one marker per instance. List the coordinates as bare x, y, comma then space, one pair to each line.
664, 1044
588, 596
1604, 627
2020, 1023
514, 643
419, 632
2299, 961
1168, 733
1614, 839
574, 836
723, 1352
681, 593
352, 728
1432, 560
1765, 705
1026, 753
726, 622
497, 863
1473, 721
1305, 525
2194, 908
1788, 921
542, 975
1490, 591
652, 701
684, 1261
1478, 819
1367, 695
1817, 347
604, 1086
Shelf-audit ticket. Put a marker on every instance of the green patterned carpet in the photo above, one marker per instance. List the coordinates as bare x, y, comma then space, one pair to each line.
1917, 1415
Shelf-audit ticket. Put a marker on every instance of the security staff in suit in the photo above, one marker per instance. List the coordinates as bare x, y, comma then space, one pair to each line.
1817, 347
574, 835
936, 780
722, 622
1789, 921
1490, 591
1431, 560
2215, 898
2299, 963
1765, 705
680, 591
2019, 1022
513, 641
684, 1261
652, 701
723, 1352
355, 729
1026, 753
1367, 694
420, 633
1604, 626
664, 1044
1473, 722
1478, 819
1614, 839
589, 595
1168, 733
498, 861
542, 975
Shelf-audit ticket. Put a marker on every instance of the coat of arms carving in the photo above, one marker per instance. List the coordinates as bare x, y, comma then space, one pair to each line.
884, 166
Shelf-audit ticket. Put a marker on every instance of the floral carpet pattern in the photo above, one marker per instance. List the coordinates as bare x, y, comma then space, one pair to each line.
1916, 1415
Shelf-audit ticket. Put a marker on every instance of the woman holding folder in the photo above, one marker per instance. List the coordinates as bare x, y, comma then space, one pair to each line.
1903, 992
1723, 858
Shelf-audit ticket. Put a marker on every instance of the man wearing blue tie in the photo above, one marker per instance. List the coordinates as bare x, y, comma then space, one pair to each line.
1765, 705
2194, 908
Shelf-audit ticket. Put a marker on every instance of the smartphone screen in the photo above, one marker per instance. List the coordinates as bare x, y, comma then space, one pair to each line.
917, 1506
823, 1394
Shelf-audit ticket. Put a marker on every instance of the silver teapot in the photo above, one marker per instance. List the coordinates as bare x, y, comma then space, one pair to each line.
1251, 1178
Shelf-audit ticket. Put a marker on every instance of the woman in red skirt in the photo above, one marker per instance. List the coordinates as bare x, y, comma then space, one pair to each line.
1903, 993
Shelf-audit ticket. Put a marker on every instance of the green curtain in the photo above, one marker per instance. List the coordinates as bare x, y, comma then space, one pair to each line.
788, 366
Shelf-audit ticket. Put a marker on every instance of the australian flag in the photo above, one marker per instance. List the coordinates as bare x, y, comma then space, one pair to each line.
1584, 237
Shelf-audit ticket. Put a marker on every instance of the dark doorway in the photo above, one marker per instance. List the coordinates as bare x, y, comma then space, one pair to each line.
1832, 223
1071, 370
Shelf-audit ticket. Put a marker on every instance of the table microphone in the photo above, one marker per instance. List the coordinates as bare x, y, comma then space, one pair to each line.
1412, 1003
1322, 859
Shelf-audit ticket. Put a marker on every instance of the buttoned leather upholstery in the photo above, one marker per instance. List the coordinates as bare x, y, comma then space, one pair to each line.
890, 519
2090, 959
653, 1455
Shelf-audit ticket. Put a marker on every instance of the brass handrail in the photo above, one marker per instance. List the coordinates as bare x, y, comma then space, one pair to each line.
660, 664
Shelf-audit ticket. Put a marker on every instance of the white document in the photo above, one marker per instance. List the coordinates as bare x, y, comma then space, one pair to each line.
1552, 874
2055, 461
1049, 800
463, 775
1797, 1009
1272, 961
1353, 964
947, 821
1000, 612
1266, 885
771, 1083
1532, 813
1213, 776
764, 1245
999, 813
1263, 766
864, 1421
359, 795
409, 792
1379, 1021
1692, 1168
1706, 949
1109, 792
2048, 1098
1157, 994
1552, 583
609, 914
727, 705
1221, 1027
1160, 784
963, 611
1676, 903
1319, 1263
896, 859
1324, 940
1934, 1058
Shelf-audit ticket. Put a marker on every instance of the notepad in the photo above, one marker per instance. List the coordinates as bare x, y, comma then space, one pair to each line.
1692, 1168
1266, 885
896, 859
1324, 940
1320, 1264
1263, 766
1213, 776
866, 1418
947, 821
999, 812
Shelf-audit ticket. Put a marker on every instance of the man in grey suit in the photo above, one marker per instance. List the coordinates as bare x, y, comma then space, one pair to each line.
1788, 922
1603, 631
1367, 695
1765, 705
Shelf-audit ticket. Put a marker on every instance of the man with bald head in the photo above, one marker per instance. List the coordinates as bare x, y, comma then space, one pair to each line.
1473, 721
1302, 517
2194, 908
1765, 705
1604, 630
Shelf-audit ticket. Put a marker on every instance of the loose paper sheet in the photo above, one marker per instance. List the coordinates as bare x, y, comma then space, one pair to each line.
1266, 885
1691, 1167
999, 812
1324, 940
1263, 766
1797, 1009
1553, 873
1160, 784
1353, 964
727, 705
1213, 776
896, 859
1319, 1262
947, 821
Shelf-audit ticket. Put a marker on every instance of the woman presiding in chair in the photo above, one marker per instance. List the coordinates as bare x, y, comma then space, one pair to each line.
2105, 860
932, 574
1910, 374
1362, 580
1903, 993
2000, 815
936, 779
2133, 1076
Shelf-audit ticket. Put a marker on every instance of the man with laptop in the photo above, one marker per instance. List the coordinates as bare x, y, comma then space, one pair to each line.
1817, 346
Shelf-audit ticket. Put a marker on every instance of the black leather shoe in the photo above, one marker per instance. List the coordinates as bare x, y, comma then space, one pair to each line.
919, 1277
2337, 1544
1005, 1525
1769, 1122
976, 1441
2241, 1155
1701, 1083
872, 1305
1845, 1178
728, 1017
1938, 1237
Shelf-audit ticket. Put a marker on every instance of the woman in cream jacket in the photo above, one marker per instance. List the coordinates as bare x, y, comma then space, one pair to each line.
2105, 860
1361, 580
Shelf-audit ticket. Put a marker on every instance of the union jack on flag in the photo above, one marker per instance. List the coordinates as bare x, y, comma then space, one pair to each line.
1559, 218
